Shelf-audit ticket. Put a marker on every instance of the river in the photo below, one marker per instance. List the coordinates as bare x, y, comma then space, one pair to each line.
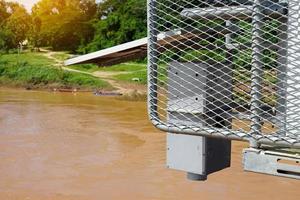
61, 146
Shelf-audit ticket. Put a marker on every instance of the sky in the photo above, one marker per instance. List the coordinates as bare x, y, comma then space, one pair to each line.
29, 3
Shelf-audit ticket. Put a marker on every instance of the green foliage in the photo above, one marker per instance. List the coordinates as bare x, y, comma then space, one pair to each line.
63, 24
35, 70
83, 26
3, 11
120, 21
14, 25
18, 23
141, 75
6, 39
35, 32
83, 80
61, 56
60, 24
169, 14
36, 59
125, 67
243, 60
204, 55
85, 67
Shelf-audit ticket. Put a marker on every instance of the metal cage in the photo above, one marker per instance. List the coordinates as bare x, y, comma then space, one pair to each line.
226, 68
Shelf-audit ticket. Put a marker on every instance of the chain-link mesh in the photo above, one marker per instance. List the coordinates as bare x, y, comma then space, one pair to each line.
228, 68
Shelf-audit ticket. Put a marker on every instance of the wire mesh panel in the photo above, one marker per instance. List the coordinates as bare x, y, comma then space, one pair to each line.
226, 68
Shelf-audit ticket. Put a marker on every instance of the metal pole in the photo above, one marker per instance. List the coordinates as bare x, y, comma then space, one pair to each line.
281, 82
232, 12
293, 69
242, 12
152, 58
256, 69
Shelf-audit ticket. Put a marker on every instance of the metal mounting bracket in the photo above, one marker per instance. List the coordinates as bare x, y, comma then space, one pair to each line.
273, 162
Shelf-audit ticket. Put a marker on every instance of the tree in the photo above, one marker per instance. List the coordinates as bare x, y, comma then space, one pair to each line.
6, 40
63, 24
3, 11
119, 21
35, 32
18, 23
14, 25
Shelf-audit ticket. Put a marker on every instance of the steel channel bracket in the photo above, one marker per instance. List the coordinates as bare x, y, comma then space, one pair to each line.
273, 162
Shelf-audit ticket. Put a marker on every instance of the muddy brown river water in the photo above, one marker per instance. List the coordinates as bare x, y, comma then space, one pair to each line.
56, 146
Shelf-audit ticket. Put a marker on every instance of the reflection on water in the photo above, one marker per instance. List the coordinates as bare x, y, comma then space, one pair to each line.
63, 146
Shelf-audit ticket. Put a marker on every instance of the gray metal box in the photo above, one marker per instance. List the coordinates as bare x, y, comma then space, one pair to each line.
191, 103
199, 93
197, 155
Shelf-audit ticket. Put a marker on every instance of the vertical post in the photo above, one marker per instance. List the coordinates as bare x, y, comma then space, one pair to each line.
293, 69
152, 58
228, 37
229, 59
281, 76
256, 69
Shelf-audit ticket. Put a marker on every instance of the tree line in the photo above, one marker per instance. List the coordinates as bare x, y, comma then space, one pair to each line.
80, 26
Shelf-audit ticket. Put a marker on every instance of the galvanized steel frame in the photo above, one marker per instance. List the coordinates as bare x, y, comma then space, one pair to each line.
254, 135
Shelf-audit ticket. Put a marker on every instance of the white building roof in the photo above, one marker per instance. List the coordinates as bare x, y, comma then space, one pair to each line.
127, 51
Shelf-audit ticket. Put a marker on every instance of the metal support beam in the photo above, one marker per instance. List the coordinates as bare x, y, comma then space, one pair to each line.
234, 12
272, 162
256, 69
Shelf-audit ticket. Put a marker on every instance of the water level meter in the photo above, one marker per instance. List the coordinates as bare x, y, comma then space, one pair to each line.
226, 70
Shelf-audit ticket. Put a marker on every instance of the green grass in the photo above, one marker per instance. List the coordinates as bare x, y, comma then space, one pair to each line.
135, 71
36, 59
61, 55
141, 75
85, 67
125, 67
36, 71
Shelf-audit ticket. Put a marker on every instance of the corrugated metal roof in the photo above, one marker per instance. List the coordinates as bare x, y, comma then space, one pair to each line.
113, 55
129, 51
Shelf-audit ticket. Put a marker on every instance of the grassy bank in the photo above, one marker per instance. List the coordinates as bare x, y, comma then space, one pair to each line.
123, 67
131, 72
34, 70
134, 72
136, 77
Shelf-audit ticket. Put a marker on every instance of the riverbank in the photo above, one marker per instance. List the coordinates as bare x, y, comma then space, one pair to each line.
45, 70
36, 71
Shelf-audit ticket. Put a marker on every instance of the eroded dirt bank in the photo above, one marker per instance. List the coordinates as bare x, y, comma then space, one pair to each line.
74, 147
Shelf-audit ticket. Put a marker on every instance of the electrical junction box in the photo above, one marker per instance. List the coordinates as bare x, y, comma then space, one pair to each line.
197, 155
199, 94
